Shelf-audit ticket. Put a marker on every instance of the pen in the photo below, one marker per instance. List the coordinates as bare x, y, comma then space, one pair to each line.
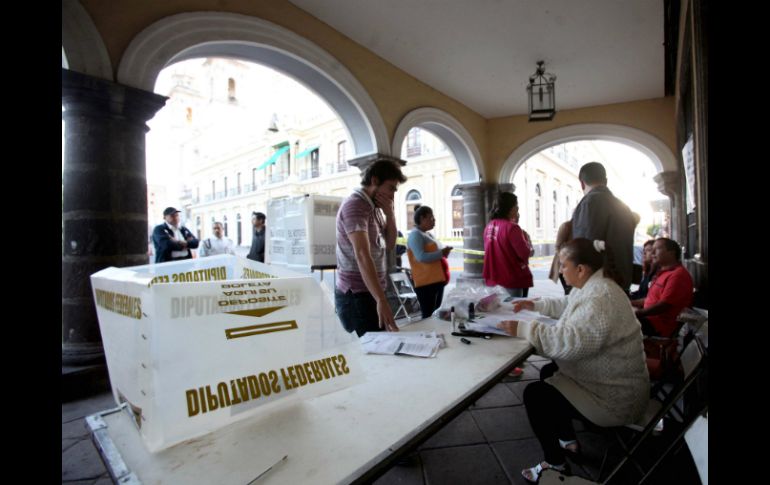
465, 341
270, 468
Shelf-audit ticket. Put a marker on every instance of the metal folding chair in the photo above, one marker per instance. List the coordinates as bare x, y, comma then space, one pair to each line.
404, 293
661, 404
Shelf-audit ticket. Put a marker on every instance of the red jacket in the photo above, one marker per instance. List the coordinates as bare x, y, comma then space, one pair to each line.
506, 255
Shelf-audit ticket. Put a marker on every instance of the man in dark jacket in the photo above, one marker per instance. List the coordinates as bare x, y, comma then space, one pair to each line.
257, 251
172, 240
600, 215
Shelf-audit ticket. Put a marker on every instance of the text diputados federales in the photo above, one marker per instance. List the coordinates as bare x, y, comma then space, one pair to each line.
204, 399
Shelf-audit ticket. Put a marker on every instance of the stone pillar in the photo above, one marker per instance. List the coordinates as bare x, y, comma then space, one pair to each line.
474, 221
104, 198
362, 163
670, 184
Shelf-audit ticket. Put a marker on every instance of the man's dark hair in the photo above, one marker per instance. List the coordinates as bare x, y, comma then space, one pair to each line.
383, 170
593, 173
672, 245
260, 216
422, 211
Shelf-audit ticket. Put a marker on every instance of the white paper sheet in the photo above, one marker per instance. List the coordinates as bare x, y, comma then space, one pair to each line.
418, 344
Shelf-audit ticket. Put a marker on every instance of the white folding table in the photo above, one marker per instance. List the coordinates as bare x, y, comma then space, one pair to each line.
350, 436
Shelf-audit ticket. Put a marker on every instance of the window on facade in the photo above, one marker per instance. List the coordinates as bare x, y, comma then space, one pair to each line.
413, 199
238, 182
413, 195
254, 178
231, 89
566, 208
225, 194
238, 226
224, 223
197, 194
413, 145
538, 222
342, 156
555, 201
213, 189
198, 227
314, 168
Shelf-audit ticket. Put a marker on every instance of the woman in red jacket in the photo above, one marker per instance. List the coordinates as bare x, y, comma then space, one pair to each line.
506, 252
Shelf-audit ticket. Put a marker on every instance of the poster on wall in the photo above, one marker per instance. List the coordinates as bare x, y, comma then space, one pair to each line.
688, 159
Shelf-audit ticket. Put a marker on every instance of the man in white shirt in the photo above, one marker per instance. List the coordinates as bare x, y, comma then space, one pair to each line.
216, 245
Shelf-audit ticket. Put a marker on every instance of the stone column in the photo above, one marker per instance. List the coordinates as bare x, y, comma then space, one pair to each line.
474, 221
670, 184
104, 198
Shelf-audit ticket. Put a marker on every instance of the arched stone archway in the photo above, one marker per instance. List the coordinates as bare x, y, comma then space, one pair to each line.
661, 156
207, 34
665, 162
465, 151
83, 49
451, 132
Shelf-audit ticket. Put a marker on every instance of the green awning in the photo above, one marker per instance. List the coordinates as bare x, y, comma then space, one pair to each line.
274, 158
305, 152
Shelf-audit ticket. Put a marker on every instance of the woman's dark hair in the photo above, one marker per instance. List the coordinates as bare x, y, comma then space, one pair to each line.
503, 205
422, 211
647, 265
384, 170
582, 251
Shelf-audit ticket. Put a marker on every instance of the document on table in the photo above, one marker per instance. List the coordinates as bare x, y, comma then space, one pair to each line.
418, 344
487, 322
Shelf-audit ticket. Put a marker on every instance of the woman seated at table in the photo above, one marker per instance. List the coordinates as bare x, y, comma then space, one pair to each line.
598, 371
425, 256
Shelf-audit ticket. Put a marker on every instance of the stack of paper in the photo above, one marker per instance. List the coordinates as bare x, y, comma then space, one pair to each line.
419, 344
487, 322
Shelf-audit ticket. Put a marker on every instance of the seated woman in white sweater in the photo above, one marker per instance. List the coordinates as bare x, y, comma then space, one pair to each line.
598, 371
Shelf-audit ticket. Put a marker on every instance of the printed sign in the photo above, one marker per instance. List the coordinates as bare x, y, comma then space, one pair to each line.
195, 345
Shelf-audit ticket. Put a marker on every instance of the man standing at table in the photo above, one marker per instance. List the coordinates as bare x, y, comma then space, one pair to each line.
366, 230
601, 216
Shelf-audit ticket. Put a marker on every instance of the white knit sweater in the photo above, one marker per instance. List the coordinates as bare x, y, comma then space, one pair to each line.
597, 345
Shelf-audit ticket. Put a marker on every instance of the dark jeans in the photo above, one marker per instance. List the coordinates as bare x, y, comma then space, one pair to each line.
430, 297
357, 311
550, 415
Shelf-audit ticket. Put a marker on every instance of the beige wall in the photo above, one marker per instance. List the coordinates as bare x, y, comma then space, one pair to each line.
394, 92
654, 116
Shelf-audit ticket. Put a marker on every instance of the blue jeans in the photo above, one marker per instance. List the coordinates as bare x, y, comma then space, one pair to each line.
357, 311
